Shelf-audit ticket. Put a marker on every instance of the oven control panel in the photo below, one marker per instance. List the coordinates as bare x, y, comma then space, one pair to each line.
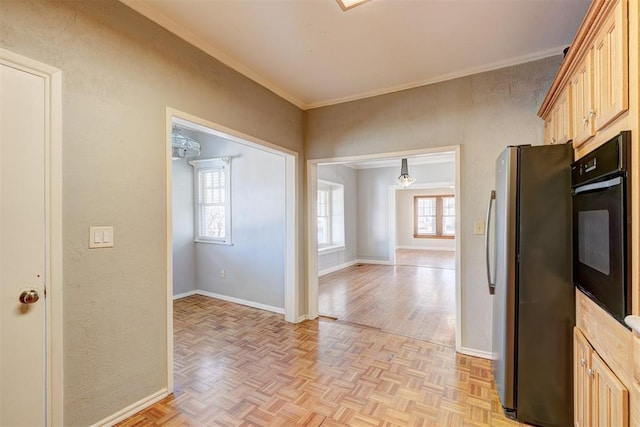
609, 159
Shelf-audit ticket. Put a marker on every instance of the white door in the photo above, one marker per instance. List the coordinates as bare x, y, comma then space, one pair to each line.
22, 248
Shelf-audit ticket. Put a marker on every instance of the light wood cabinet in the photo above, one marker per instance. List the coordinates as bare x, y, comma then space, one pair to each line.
581, 393
610, 68
609, 397
592, 88
582, 99
557, 128
600, 399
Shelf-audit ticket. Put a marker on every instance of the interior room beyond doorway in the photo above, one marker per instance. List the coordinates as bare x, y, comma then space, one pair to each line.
381, 270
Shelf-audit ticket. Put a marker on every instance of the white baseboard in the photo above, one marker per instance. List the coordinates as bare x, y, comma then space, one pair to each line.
476, 353
426, 248
184, 294
373, 261
132, 409
335, 268
302, 318
241, 301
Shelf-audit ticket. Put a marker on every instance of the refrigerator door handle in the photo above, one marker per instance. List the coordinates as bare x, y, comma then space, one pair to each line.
492, 283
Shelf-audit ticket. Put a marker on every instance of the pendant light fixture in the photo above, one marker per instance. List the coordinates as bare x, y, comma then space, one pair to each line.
404, 179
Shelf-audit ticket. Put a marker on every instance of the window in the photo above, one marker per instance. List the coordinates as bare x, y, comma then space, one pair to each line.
212, 200
330, 215
434, 216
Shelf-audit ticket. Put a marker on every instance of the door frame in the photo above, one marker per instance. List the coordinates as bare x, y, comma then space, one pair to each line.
312, 238
291, 309
53, 225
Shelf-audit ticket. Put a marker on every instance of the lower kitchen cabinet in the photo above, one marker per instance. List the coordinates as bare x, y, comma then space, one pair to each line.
600, 399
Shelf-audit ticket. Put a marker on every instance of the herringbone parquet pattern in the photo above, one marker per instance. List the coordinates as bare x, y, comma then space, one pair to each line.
236, 366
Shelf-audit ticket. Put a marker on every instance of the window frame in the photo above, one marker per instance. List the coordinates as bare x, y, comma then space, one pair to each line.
199, 166
335, 216
439, 217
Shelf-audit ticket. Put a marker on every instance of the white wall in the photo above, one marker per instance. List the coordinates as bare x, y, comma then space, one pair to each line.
184, 254
254, 263
405, 219
374, 219
482, 113
348, 177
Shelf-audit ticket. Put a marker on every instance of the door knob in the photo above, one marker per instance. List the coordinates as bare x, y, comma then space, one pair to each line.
29, 297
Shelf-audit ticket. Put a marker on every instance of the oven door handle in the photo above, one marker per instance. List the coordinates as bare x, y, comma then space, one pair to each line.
598, 185
491, 283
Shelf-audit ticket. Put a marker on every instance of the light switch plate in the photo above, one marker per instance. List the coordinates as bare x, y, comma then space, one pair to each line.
100, 237
478, 228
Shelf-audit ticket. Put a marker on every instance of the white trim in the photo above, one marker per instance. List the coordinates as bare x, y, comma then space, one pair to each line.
132, 409
459, 236
475, 353
291, 261
185, 294
312, 244
53, 240
241, 301
302, 318
393, 232
168, 173
425, 248
312, 240
336, 268
331, 249
374, 261
438, 79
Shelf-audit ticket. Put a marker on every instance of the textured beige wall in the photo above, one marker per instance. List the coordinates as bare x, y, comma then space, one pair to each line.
120, 72
483, 113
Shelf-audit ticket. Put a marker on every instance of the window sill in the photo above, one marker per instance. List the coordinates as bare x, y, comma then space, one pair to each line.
330, 249
425, 236
213, 242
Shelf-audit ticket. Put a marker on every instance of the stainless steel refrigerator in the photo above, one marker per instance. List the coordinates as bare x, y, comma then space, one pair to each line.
529, 273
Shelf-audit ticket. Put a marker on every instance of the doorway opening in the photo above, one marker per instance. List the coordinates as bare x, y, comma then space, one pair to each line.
383, 274
219, 243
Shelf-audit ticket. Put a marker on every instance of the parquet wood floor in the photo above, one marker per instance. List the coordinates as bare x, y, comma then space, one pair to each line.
239, 366
416, 302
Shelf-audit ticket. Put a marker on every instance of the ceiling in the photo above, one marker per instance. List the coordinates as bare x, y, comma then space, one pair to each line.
313, 53
394, 162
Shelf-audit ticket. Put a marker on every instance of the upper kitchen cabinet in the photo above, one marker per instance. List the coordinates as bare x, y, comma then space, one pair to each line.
610, 68
592, 83
558, 126
582, 101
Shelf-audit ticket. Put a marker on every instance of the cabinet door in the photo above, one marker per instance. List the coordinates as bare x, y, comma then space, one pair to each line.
610, 399
563, 117
549, 130
581, 392
610, 68
582, 96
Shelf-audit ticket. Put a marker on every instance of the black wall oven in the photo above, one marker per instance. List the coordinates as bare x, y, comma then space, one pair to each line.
602, 225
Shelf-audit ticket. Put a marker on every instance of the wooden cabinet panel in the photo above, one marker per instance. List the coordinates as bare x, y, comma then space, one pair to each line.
582, 96
600, 399
557, 127
549, 131
610, 68
597, 80
581, 398
563, 117
609, 397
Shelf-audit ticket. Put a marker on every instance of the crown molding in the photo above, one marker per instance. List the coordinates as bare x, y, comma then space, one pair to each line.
443, 78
